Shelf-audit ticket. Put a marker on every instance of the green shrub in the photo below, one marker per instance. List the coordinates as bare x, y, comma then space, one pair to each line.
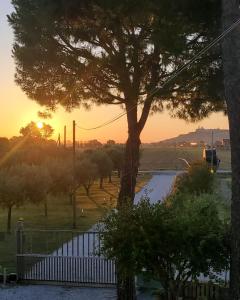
197, 180
173, 242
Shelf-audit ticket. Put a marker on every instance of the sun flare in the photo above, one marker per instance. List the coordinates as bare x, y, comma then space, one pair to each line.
39, 125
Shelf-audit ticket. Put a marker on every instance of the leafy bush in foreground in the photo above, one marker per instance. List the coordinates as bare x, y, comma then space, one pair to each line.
174, 241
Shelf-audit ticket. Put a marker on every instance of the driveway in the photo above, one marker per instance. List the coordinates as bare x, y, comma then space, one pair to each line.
157, 188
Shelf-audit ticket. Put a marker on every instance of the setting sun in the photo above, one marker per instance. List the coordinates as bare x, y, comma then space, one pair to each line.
39, 125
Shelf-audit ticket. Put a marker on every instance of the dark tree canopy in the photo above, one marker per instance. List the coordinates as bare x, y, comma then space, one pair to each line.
115, 52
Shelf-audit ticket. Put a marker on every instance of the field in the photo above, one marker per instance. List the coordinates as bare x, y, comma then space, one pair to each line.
153, 158
89, 211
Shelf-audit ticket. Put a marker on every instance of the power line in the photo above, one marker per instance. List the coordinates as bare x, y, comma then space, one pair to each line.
172, 77
106, 123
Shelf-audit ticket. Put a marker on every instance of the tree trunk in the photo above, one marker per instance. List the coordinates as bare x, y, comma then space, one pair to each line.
45, 207
110, 178
101, 183
9, 219
130, 170
231, 63
87, 188
126, 286
70, 198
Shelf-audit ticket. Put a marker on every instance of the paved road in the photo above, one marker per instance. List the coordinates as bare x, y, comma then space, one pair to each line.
157, 188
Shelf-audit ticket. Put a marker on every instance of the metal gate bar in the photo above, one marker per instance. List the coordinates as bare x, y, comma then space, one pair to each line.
81, 270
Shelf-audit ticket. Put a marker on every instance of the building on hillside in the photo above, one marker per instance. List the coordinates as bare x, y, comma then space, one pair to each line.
211, 158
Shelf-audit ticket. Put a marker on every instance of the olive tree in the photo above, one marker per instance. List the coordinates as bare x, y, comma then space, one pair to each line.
116, 154
104, 165
86, 173
21, 184
61, 174
11, 193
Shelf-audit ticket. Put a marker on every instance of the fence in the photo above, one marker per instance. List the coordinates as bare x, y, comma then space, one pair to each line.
202, 291
59, 242
63, 256
209, 291
76, 270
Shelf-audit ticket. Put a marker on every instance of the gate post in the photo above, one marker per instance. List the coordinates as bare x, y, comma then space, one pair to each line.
20, 248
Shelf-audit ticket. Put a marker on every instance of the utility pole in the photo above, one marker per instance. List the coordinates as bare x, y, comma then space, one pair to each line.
59, 140
65, 136
212, 153
74, 171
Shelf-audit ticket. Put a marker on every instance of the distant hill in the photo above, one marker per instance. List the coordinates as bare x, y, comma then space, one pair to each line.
200, 135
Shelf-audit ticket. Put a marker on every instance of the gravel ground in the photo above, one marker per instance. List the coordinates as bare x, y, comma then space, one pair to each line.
41, 292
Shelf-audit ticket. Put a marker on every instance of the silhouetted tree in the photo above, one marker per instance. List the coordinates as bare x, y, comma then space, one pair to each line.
47, 131
110, 143
32, 131
45, 114
118, 52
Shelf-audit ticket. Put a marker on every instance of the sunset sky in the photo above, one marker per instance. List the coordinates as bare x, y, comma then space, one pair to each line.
17, 110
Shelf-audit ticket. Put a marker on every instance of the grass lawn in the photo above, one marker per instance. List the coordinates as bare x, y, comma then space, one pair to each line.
89, 211
168, 157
